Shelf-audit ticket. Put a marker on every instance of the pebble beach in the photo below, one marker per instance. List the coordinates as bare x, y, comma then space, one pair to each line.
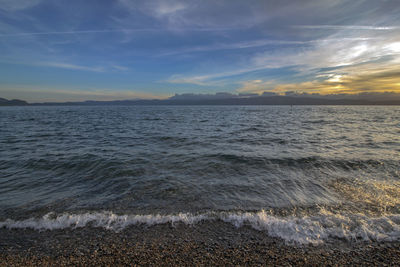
213, 244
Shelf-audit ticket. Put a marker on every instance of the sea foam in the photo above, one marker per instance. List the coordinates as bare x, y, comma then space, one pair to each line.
315, 229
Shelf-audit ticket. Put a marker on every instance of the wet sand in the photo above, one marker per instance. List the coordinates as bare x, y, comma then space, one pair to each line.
215, 243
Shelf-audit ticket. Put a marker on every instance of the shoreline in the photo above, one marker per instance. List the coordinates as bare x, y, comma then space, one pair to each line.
216, 243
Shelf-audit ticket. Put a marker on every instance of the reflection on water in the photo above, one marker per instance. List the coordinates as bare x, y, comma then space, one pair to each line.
372, 196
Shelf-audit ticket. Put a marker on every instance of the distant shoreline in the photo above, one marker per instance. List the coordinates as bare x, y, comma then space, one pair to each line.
249, 101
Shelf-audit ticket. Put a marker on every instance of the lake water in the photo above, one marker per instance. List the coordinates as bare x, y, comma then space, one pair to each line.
304, 173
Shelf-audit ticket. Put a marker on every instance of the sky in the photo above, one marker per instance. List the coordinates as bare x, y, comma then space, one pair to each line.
56, 50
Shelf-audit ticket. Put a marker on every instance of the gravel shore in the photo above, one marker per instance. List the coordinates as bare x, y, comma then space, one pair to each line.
215, 243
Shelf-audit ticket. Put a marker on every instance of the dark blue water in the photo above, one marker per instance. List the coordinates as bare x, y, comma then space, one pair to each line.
302, 173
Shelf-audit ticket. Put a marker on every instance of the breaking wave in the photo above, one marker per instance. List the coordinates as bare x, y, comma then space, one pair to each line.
313, 229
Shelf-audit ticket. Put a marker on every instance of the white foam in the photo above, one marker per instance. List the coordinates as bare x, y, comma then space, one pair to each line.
319, 228
313, 229
107, 220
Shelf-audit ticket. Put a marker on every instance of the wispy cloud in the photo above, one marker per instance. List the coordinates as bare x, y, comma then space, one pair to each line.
347, 27
255, 44
165, 8
351, 80
331, 53
119, 67
70, 66
180, 79
357, 64
126, 31
231, 46
180, 15
324, 53
75, 32
257, 86
210, 79
14, 5
106, 67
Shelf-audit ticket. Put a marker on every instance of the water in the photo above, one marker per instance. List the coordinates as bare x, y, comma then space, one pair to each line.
305, 174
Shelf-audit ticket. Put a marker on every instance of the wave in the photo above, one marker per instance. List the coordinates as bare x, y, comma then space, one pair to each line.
305, 162
97, 166
315, 229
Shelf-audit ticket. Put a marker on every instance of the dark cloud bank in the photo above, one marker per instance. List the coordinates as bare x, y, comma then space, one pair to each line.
267, 98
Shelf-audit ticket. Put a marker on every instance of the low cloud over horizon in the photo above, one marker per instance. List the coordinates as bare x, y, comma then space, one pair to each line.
121, 96
125, 49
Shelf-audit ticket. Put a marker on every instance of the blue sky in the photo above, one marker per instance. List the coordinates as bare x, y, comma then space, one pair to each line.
54, 50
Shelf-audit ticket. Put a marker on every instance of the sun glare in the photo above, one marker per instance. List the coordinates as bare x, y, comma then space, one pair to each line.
335, 78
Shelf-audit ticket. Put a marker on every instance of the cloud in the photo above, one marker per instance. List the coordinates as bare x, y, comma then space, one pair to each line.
108, 67
256, 86
166, 8
345, 47
70, 66
347, 81
376, 80
331, 53
119, 67
316, 55
309, 51
231, 46
346, 27
210, 79
186, 15
14, 5
180, 79
16, 34
163, 10
271, 16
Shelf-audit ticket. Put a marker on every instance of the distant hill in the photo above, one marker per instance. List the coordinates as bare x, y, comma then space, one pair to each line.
256, 100
13, 102
220, 100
